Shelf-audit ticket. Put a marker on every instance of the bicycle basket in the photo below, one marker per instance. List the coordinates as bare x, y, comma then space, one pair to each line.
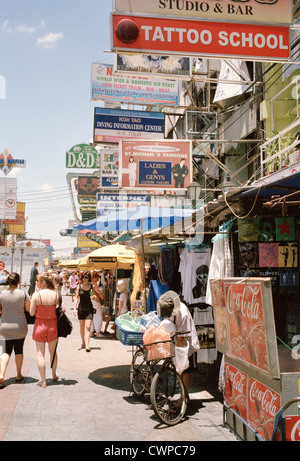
127, 337
159, 350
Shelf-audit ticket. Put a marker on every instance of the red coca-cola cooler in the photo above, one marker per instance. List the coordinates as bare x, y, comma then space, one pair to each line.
260, 378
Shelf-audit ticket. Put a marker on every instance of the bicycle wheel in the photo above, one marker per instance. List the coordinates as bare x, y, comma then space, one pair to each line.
168, 396
139, 374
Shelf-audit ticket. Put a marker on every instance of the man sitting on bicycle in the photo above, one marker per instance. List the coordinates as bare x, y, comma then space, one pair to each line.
176, 314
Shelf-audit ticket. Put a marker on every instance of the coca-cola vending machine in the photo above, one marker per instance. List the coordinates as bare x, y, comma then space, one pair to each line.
258, 375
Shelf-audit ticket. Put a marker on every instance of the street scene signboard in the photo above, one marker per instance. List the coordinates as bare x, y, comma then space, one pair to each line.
109, 202
137, 89
189, 37
154, 65
155, 164
113, 125
266, 11
82, 156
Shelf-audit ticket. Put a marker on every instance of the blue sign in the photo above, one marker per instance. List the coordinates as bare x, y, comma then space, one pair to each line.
155, 173
112, 125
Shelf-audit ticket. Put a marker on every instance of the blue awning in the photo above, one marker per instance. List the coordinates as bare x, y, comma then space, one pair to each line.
281, 187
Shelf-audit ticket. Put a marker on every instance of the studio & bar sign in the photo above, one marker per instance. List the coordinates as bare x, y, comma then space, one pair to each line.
267, 11
187, 37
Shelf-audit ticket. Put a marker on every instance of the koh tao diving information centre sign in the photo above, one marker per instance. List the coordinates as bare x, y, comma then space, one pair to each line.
155, 164
112, 125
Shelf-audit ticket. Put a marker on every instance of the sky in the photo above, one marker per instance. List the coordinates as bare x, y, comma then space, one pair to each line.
46, 51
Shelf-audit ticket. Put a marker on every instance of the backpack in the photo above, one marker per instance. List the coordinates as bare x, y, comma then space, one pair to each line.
64, 324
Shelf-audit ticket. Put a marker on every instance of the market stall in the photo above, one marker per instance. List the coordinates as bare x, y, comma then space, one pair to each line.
258, 375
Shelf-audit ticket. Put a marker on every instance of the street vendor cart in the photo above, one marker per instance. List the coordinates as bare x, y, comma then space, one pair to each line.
260, 375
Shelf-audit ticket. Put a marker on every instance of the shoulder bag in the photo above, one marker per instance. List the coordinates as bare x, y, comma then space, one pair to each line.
30, 319
64, 324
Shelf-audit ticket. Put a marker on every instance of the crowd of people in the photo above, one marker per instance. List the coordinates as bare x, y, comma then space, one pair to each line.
41, 301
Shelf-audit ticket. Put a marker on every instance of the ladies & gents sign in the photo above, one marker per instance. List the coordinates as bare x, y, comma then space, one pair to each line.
155, 164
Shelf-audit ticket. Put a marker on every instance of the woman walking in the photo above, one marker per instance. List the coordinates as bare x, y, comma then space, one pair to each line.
96, 301
43, 306
83, 304
13, 325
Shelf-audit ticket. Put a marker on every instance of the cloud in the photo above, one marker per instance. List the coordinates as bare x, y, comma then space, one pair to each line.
20, 28
49, 40
6, 28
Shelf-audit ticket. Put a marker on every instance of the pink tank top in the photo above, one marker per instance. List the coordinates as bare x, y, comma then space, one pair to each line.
45, 312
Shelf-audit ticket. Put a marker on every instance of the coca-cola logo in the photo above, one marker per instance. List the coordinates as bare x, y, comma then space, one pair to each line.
268, 400
247, 300
237, 380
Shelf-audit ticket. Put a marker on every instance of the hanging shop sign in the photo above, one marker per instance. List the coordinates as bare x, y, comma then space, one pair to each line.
155, 164
112, 125
109, 168
267, 11
87, 188
82, 156
139, 90
155, 35
107, 203
154, 65
17, 226
8, 198
7, 162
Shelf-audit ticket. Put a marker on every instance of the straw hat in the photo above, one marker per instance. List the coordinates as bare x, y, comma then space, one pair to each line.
122, 286
170, 297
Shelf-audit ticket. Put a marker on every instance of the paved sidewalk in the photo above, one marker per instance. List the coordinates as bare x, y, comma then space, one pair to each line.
92, 399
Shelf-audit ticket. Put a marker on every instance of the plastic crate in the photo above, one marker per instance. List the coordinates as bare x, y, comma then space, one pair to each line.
129, 338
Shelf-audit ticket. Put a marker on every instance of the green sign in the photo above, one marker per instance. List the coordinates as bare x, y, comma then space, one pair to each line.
82, 156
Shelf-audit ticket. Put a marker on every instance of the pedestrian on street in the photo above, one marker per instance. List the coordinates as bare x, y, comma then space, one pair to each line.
83, 304
123, 306
178, 313
73, 284
33, 276
96, 301
43, 306
13, 325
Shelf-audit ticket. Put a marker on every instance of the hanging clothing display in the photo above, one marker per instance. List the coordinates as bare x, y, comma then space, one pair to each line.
167, 264
221, 264
205, 327
156, 289
194, 267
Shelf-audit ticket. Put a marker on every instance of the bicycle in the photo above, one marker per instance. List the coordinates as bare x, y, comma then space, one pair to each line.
151, 372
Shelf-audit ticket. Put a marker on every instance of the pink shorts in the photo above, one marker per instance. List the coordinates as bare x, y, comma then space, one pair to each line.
44, 331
